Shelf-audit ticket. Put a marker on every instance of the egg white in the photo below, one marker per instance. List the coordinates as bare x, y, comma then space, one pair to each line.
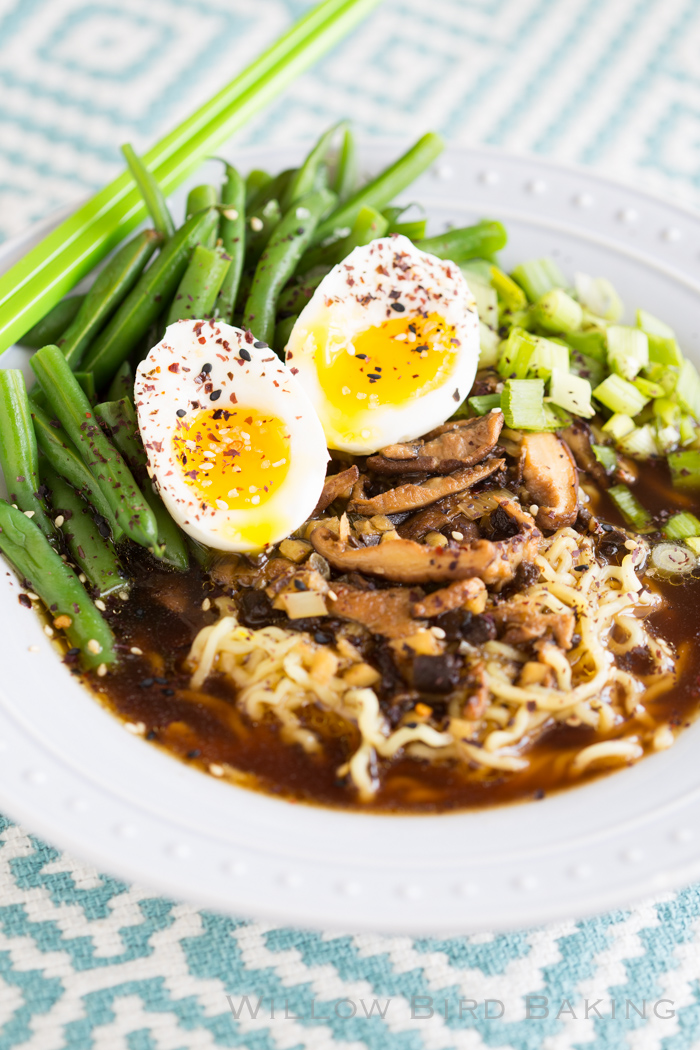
170, 379
355, 296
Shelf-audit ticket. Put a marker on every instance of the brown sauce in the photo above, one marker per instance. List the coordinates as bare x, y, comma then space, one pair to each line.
164, 613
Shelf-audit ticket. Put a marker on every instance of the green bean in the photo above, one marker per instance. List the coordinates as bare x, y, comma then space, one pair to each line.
309, 176
275, 189
232, 233
58, 587
255, 180
88, 548
87, 385
345, 178
414, 230
369, 224
260, 225
123, 383
120, 417
151, 192
53, 324
283, 330
200, 198
382, 189
295, 296
61, 453
393, 213
468, 242
109, 289
75, 412
196, 295
277, 263
145, 302
19, 457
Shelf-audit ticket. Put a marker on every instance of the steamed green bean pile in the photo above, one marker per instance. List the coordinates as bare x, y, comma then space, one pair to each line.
249, 252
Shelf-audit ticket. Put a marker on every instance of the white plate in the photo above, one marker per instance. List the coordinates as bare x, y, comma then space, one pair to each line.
70, 772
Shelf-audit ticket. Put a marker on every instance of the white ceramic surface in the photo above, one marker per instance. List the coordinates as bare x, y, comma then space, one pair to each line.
70, 772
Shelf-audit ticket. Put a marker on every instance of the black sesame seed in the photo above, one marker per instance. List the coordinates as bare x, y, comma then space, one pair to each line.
168, 692
259, 345
161, 681
244, 354
151, 734
181, 412
215, 395
146, 683
399, 307
194, 754
206, 368
362, 357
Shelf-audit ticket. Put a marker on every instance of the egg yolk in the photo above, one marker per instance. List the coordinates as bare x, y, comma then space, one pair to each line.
388, 364
233, 459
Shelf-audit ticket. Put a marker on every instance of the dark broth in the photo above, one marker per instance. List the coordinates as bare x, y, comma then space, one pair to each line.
164, 613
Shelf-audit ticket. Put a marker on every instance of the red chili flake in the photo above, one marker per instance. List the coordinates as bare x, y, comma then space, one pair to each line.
249, 337
24, 600
456, 396
248, 420
294, 371
174, 367
88, 415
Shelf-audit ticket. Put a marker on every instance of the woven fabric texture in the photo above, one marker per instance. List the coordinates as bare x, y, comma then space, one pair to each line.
87, 961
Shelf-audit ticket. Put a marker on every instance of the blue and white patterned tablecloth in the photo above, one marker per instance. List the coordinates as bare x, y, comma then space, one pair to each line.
87, 961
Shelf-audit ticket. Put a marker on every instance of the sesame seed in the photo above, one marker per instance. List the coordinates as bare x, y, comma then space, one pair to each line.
94, 646
206, 605
29, 513
221, 504
216, 770
32, 596
137, 728
303, 213
136, 651
534, 509
245, 354
102, 670
48, 631
333, 596
437, 632
82, 577
123, 595
59, 521
630, 545
457, 535
256, 224
99, 604
230, 213
180, 412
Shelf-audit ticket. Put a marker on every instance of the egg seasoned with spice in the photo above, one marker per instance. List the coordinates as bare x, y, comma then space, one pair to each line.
388, 345
234, 445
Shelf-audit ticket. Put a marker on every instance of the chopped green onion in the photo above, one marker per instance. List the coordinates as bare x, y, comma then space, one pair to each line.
592, 344
653, 326
598, 295
537, 277
681, 526
664, 351
619, 425
672, 559
547, 357
489, 346
628, 350
606, 456
666, 437
486, 301
510, 293
629, 507
688, 389
482, 404
694, 543
688, 430
558, 312
663, 375
571, 393
522, 403
649, 389
640, 443
620, 396
517, 353
685, 468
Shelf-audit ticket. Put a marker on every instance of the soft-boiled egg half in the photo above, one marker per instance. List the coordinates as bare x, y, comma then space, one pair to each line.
388, 345
234, 446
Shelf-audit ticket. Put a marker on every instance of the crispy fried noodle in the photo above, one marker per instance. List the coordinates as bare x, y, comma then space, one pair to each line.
282, 672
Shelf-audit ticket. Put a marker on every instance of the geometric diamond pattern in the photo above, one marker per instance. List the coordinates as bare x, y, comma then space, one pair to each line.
87, 961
